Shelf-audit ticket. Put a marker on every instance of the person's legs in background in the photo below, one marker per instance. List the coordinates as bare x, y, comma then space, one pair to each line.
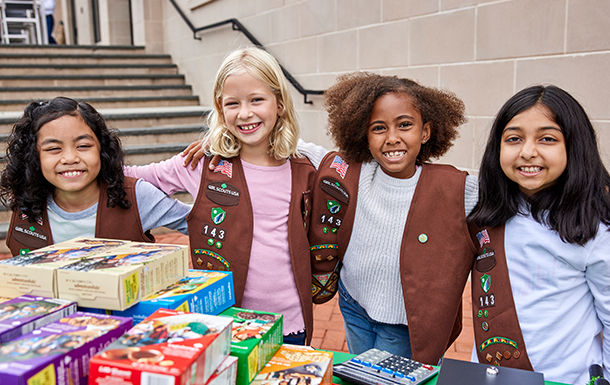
50, 24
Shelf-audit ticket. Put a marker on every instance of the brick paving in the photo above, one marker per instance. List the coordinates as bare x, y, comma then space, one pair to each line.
328, 323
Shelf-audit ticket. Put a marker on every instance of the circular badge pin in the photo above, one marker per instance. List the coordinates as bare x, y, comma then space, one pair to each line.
423, 238
485, 326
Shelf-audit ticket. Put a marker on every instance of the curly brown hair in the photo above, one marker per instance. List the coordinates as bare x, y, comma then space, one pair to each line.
350, 100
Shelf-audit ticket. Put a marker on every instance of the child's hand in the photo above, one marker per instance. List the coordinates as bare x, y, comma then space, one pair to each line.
193, 154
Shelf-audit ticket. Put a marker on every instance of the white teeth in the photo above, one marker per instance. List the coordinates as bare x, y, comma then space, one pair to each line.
530, 169
394, 154
70, 174
248, 127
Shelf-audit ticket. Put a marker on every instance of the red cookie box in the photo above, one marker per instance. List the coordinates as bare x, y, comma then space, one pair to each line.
168, 348
59, 353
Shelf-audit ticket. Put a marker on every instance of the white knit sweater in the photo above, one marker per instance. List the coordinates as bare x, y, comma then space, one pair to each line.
371, 265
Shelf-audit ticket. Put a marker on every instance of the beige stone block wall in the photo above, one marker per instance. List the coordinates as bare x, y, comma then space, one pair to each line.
483, 50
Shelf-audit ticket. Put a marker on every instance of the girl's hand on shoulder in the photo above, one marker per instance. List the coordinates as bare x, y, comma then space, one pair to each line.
193, 154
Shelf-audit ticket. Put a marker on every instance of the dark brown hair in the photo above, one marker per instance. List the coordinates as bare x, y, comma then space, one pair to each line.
349, 103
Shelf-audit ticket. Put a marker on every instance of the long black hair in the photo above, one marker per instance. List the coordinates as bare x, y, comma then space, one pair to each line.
23, 187
576, 204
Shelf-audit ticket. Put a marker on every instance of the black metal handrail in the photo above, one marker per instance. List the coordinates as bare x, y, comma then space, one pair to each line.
237, 26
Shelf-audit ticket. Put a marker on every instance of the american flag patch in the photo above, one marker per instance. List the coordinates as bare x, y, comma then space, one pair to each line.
224, 167
340, 165
483, 237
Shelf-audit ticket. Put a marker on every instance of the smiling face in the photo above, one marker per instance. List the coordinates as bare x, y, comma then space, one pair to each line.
250, 110
533, 150
70, 160
395, 134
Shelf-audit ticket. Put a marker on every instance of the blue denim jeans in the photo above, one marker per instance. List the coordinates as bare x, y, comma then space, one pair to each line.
295, 338
364, 333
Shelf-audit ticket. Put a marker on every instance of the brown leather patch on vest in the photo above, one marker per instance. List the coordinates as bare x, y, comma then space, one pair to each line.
30, 234
222, 193
335, 189
486, 260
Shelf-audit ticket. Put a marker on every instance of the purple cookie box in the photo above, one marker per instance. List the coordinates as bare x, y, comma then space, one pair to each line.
59, 352
29, 313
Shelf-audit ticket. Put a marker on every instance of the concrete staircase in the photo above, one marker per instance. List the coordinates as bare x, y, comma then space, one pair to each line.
142, 95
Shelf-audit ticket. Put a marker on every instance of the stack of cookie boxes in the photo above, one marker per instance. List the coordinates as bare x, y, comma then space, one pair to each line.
103, 273
51, 343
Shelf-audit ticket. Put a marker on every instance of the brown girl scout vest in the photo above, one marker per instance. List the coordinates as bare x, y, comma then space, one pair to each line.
498, 337
221, 222
111, 223
436, 252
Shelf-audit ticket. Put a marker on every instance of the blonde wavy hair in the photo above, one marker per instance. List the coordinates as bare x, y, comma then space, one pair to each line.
264, 67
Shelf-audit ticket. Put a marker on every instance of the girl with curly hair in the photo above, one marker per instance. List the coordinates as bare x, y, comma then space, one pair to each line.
394, 220
250, 214
64, 178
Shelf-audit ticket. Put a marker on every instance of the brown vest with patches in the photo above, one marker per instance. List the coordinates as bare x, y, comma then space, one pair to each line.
110, 223
221, 221
436, 253
498, 337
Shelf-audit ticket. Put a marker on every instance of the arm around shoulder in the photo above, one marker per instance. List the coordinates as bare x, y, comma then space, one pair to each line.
159, 210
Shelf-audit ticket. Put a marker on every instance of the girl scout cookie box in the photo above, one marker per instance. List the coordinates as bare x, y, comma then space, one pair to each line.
33, 273
120, 278
202, 291
294, 364
168, 348
21, 315
256, 336
59, 352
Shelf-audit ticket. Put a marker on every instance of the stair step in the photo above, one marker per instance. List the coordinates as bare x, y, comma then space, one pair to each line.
89, 80
61, 58
148, 136
101, 69
38, 93
116, 102
73, 49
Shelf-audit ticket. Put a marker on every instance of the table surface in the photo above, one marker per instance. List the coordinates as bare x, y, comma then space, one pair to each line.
339, 357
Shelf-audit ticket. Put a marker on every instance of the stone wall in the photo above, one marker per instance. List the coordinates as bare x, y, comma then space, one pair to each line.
484, 51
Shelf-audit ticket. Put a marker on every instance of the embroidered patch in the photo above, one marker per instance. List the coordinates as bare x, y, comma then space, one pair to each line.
333, 206
213, 231
422, 238
486, 260
483, 237
340, 165
485, 326
224, 167
30, 234
334, 188
497, 340
486, 283
214, 255
218, 215
223, 194
323, 247
486, 301
329, 219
